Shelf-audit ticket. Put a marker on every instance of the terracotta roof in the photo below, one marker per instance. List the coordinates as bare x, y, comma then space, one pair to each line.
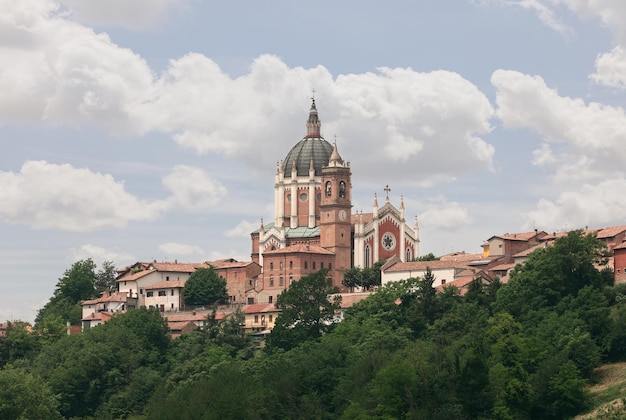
114, 297
423, 265
610, 232
528, 251
189, 316
171, 284
178, 325
524, 236
503, 267
462, 256
301, 248
621, 246
461, 284
102, 316
349, 299
129, 276
228, 263
178, 267
259, 308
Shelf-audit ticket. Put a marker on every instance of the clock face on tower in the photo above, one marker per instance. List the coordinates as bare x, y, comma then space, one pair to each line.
342, 215
388, 241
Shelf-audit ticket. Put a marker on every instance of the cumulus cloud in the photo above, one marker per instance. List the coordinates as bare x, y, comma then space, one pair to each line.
243, 229
51, 196
427, 125
443, 214
46, 195
593, 134
192, 189
100, 255
136, 14
177, 249
599, 204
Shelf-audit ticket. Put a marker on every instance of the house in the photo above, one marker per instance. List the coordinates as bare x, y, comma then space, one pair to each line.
444, 271
507, 245
259, 317
240, 277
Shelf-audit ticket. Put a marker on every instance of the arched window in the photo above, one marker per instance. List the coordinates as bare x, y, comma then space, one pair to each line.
271, 281
329, 189
271, 266
368, 261
281, 281
306, 265
290, 265
342, 189
408, 254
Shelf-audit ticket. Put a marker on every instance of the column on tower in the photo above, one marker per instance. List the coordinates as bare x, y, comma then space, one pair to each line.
279, 196
376, 229
402, 231
312, 197
294, 197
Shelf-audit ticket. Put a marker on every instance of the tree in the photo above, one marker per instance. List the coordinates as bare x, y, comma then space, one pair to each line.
105, 277
306, 311
76, 285
366, 278
205, 287
428, 257
24, 395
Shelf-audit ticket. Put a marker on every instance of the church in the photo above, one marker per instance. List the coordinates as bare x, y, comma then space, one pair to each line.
314, 227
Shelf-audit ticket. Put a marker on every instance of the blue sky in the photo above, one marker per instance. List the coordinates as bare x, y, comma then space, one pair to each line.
151, 129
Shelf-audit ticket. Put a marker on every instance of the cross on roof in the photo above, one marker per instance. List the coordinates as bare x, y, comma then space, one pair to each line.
387, 189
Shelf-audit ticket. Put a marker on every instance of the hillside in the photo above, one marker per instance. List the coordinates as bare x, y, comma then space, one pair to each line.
608, 392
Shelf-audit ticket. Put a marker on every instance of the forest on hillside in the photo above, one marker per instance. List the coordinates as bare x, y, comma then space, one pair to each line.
526, 349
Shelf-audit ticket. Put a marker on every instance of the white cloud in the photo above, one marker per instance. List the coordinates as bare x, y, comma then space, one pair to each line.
192, 189
594, 131
243, 229
135, 14
427, 125
62, 72
46, 195
601, 204
442, 214
100, 255
176, 249
611, 68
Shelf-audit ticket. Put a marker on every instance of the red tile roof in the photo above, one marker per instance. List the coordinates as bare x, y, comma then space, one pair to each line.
259, 308
423, 265
524, 236
114, 297
171, 284
462, 256
102, 316
610, 232
349, 299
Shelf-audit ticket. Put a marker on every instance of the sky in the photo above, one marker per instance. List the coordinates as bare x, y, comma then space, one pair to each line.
151, 129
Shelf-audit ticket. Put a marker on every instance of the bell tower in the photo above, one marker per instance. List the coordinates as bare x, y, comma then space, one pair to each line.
335, 214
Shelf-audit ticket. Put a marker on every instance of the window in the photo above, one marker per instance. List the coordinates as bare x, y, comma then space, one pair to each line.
306, 265
329, 189
271, 281
408, 254
313, 265
303, 197
291, 265
271, 266
250, 301
161, 292
280, 281
141, 291
271, 300
443, 281
367, 256
172, 292
281, 265
342, 189
167, 278
271, 317
322, 265
256, 319
330, 266
290, 279
172, 306
149, 294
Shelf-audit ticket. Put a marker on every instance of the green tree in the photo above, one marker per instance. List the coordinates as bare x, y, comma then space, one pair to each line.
24, 395
105, 277
366, 278
76, 285
205, 287
428, 257
307, 311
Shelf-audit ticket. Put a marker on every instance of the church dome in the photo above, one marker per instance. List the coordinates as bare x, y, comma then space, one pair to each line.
312, 147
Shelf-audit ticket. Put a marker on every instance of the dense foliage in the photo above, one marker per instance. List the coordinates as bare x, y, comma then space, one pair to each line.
205, 287
521, 350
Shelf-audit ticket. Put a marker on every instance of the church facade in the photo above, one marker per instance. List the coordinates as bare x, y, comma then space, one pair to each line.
314, 227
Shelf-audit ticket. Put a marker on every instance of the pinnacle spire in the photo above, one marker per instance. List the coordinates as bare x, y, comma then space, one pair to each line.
313, 124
